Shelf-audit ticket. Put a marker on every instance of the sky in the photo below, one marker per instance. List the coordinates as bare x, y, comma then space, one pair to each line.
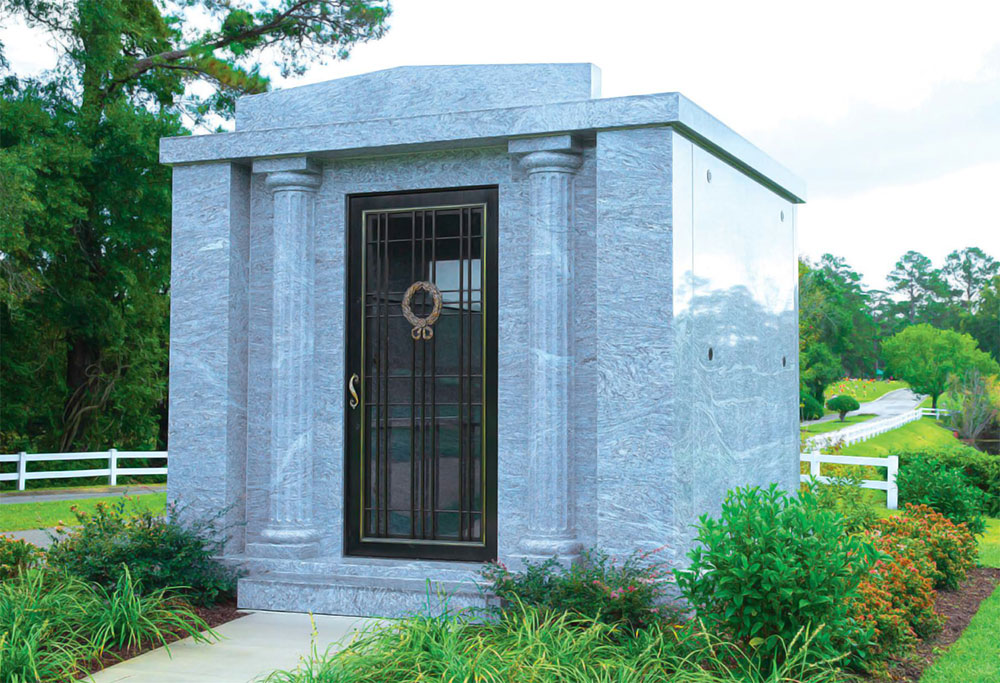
890, 111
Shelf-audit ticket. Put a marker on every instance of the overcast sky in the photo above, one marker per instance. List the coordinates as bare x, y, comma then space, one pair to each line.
890, 111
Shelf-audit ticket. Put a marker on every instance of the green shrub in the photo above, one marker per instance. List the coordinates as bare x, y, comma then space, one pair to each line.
842, 405
595, 587
982, 469
17, 556
951, 547
809, 407
945, 489
844, 495
773, 565
534, 645
159, 552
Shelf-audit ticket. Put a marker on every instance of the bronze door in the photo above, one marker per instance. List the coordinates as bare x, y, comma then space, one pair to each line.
421, 375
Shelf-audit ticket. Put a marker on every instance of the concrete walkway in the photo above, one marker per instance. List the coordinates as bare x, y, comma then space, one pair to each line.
888, 405
43, 495
251, 648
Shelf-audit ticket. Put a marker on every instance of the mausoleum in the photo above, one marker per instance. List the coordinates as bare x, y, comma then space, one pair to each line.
429, 317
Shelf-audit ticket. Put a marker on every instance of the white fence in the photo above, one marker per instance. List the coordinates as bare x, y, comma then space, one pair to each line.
891, 464
112, 471
873, 427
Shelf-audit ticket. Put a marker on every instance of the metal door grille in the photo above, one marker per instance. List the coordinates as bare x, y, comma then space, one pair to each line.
423, 437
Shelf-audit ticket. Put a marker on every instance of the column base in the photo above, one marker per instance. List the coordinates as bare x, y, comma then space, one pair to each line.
283, 551
560, 547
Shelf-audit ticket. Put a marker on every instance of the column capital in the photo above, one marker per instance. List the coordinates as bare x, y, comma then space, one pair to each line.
550, 153
290, 173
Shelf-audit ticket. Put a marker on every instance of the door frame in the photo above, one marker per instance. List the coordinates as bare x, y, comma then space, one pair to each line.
355, 544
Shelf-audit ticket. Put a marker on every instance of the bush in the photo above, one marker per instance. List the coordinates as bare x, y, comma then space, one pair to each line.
596, 587
982, 469
16, 556
842, 405
773, 565
809, 407
896, 599
158, 552
945, 489
845, 496
951, 547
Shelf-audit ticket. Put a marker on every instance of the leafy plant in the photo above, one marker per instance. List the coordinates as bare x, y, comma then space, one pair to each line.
596, 587
16, 555
951, 547
982, 469
842, 405
809, 407
944, 489
159, 552
125, 618
536, 644
773, 565
844, 495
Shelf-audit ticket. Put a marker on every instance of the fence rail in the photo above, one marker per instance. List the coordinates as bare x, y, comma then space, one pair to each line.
890, 463
874, 427
112, 471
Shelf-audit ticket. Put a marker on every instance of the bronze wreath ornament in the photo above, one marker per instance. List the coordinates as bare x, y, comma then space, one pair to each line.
422, 326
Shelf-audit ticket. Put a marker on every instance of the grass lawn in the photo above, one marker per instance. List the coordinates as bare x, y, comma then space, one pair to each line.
20, 516
975, 657
833, 425
863, 389
922, 433
989, 544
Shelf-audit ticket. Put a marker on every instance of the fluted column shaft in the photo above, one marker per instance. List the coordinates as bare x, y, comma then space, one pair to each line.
551, 525
290, 506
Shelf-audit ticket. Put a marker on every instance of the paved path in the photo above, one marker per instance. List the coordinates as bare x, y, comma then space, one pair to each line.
251, 647
888, 405
41, 495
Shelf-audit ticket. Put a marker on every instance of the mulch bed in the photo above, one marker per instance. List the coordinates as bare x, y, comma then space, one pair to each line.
214, 616
958, 607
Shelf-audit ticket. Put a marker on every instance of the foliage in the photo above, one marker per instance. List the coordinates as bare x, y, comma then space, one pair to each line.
818, 368
54, 513
533, 644
951, 546
896, 598
809, 407
919, 282
973, 401
842, 405
982, 470
16, 556
925, 357
845, 496
85, 223
126, 617
944, 489
52, 625
969, 271
595, 587
159, 551
772, 565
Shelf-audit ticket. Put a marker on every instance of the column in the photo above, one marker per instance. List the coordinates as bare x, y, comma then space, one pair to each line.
290, 529
551, 164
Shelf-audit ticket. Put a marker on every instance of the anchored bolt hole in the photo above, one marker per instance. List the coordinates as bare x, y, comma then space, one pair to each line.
710, 353
708, 175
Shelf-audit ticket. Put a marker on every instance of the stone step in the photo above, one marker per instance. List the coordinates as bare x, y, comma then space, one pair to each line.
356, 595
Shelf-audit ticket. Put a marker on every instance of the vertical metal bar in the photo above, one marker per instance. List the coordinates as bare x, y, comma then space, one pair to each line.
461, 381
413, 382
434, 453
422, 492
372, 235
471, 469
384, 351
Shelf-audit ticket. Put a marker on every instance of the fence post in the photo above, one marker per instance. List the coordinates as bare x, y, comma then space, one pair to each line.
22, 469
892, 492
113, 466
813, 466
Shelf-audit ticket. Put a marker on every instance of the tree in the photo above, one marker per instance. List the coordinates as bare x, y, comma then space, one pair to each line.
818, 368
85, 257
973, 401
969, 271
926, 357
842, 405
984, 323
918, 281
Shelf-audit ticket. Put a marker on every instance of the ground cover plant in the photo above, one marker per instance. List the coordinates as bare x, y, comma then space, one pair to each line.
50, 513
16, 556
951, 547
598, 587
945, 489
54, 626
982, 469
160, 551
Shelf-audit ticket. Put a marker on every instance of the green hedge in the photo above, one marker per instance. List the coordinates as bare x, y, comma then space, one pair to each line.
982, 469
